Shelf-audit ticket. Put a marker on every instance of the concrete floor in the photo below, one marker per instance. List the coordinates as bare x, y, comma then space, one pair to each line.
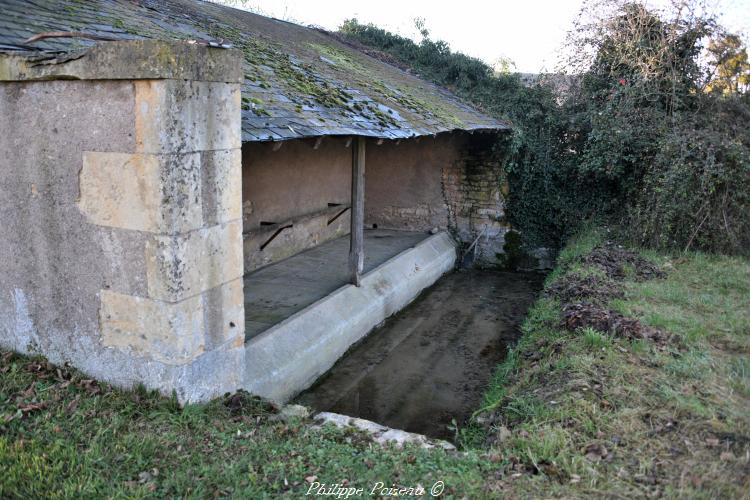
278, 291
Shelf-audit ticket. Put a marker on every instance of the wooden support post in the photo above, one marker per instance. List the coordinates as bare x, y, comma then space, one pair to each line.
356, 247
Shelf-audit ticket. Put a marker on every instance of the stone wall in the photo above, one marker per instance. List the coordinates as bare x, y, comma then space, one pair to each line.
120, 187
453, 181
474, 188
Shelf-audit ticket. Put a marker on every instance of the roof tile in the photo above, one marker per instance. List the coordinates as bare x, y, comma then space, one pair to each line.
296, 77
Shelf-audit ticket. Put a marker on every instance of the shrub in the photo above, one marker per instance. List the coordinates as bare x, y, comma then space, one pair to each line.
648, 133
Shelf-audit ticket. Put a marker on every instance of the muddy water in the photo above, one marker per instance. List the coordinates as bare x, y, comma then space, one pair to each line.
431, 362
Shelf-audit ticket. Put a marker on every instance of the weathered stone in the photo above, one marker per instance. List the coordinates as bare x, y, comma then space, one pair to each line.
174, 333
225, 316
83, 200
170, 333
184, 265
405, 192
221, 186
289, 412
129, 60
380, 433
175, 116
144, 192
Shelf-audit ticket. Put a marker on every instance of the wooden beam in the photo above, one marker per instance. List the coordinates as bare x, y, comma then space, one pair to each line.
356, 246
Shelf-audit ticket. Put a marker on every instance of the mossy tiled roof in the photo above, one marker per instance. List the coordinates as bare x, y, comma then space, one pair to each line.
299, 82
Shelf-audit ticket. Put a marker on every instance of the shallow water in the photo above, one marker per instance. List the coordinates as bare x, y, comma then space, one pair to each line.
431, 362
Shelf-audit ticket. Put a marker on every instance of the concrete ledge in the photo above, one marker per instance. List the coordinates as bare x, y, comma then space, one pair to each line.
306, 231
129, 60
289, 357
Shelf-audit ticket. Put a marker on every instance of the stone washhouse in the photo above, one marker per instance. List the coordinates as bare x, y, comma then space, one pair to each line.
200, 199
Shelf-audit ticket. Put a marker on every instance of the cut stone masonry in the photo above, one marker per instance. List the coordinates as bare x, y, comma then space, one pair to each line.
172, 187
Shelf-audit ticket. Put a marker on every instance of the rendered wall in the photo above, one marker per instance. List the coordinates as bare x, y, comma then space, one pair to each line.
452, 181
121, 250
294, 180
296, 185
403, 183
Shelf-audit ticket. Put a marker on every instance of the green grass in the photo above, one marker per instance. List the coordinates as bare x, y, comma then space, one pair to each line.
569, 414
94, 441
674, 420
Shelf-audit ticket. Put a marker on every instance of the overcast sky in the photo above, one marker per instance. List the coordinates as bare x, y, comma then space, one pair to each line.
529, 32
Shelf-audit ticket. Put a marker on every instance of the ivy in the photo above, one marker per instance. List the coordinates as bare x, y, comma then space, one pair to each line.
642, 135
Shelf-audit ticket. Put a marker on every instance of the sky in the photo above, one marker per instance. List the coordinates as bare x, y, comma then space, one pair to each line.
528, 32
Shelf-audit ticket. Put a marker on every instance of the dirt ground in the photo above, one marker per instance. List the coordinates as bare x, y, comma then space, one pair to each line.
431, 362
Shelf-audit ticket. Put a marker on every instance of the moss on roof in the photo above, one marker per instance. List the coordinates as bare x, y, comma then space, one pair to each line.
298, 81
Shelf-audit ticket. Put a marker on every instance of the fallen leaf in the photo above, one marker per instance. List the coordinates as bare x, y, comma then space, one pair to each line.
595, 452
32, 407
311, 479
72, 406
503, 433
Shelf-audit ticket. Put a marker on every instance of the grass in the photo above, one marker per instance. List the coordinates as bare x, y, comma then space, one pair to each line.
92, 441
567, 414
601, 415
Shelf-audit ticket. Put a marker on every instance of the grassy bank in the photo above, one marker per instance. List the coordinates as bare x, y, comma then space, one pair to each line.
659, 407
62, 435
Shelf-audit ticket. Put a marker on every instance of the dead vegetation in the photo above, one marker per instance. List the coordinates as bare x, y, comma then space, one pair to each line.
584, 297
589, 287
619, 263
581, 315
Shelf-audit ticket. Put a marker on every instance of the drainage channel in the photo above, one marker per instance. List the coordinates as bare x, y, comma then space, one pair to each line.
431, 362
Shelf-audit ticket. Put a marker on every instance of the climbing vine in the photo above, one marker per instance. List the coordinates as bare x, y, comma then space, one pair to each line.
645, 132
